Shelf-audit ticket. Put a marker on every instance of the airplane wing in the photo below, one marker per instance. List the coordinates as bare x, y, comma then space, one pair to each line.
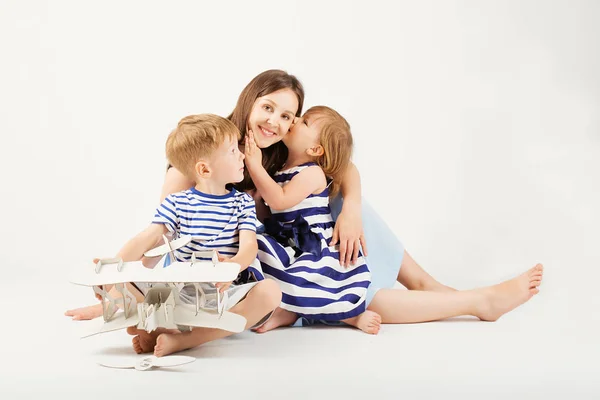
118, 321
200, 271
173, 245
186, 315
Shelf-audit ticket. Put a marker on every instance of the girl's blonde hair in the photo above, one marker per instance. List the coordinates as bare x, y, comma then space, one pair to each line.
336, 139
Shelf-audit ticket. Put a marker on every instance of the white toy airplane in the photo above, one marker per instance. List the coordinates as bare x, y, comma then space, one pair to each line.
162, 307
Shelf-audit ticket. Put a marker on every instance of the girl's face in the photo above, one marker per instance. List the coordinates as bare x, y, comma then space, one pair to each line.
271, 116
304, 134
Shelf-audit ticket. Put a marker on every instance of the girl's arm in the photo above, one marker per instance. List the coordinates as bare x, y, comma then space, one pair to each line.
308, 181
348, 226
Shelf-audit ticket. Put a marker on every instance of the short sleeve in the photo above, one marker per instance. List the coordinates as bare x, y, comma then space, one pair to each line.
167, 214
247, 214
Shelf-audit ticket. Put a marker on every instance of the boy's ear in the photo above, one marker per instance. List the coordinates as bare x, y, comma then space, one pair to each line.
315, 151
202, 169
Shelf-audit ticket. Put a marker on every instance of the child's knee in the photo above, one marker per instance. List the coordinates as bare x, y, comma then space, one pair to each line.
269, 292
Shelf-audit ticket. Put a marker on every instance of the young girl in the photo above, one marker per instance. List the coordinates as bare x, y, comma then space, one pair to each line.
296, 251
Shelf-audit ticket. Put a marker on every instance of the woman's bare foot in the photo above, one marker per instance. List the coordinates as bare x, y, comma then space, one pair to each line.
368, 322
144, 342
508, 295
279, 318
85, 313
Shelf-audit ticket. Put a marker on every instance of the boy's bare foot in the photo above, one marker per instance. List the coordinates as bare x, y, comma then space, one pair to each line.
279, 318
144, 342
168, 343
510, 294
368, 322
85, 313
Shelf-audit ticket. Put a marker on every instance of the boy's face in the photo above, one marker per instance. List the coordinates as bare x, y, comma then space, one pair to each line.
271, 117
227, 163
304, 134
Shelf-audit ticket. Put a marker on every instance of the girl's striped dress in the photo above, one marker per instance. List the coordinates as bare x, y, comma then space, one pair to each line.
295, 252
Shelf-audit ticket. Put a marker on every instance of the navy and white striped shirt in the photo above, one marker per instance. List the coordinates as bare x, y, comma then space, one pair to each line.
213, 221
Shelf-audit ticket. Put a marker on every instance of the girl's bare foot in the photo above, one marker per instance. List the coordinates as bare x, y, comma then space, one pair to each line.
368, 322
279, 318
508, 295
85, 313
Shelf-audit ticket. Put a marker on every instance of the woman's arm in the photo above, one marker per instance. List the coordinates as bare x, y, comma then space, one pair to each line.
348, 226
174, 182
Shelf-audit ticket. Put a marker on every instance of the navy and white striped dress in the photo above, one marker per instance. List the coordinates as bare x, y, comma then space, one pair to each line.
295, 252
214, 223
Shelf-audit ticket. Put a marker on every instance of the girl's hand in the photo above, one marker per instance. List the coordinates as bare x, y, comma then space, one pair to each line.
349, 232
252, 152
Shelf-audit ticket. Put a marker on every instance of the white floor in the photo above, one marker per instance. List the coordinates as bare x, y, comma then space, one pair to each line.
547, 347
477, 138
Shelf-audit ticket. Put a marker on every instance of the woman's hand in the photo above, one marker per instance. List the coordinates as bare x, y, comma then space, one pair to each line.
252, 152
349, 232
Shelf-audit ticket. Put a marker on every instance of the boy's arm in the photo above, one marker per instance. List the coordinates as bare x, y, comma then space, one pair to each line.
135, 248
248, 248
299, 188
348, 228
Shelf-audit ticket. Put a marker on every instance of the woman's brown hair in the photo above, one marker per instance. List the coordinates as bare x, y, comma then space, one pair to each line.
274, 156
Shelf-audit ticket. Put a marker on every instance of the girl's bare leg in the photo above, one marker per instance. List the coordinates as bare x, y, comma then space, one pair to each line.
263, 298
487, 304
413, 277
368, 322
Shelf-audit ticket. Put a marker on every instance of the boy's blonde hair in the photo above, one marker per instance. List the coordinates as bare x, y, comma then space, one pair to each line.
196, 137
336, 139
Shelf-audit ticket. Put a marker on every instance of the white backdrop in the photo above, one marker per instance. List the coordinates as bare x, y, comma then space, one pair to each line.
476, 122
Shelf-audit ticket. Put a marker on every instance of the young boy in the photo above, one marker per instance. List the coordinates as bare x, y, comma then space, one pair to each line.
205, 148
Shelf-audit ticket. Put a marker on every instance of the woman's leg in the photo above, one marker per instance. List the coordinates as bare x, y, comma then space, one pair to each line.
488, 304
413, 277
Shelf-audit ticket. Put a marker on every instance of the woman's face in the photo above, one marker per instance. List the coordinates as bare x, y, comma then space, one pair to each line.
271, 116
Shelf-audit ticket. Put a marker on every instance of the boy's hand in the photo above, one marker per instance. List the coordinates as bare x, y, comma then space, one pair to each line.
222, 286
252, 152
